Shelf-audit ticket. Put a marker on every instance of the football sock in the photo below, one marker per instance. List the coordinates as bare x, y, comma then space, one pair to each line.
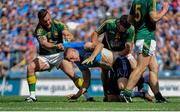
32, 85
127, 92
78, 82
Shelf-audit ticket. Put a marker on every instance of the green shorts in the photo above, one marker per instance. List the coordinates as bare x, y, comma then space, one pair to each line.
146, 46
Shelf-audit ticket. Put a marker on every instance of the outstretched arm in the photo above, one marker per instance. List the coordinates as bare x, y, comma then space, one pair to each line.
155, 16
97, 49
49, 46
85, 86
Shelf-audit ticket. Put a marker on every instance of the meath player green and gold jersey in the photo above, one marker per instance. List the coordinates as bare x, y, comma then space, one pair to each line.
54, 35
113, 39
144, 27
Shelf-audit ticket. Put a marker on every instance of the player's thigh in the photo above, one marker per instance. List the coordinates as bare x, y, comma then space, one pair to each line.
38, 64
132, 61
68, 68
122, 82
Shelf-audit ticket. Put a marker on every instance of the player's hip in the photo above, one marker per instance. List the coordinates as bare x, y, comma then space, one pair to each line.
53, 60
146, 46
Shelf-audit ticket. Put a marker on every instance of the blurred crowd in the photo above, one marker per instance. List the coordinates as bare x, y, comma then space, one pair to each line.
18, 19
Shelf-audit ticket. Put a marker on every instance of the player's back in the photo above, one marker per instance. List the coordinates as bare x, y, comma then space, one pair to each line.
140, 12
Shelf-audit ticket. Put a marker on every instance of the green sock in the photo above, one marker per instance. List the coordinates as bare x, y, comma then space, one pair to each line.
32, 87
127, 92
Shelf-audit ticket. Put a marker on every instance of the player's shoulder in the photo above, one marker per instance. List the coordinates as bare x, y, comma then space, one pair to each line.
110, 20
55, 21
39, 29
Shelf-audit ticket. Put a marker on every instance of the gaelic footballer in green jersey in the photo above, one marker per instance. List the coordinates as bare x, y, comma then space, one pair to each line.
143, 16
118, 37
50, 34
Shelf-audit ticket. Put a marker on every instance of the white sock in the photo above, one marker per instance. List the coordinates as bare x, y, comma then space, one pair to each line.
33, 94
86, 95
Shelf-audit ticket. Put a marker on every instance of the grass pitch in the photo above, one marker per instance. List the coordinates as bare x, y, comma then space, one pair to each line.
57, 103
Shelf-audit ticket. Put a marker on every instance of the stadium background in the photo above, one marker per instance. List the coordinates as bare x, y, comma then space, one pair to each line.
18, 19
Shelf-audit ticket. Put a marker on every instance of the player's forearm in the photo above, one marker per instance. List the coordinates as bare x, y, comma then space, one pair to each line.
98, 49
49, 46
124, 52
155, 16
94, 37
127, 50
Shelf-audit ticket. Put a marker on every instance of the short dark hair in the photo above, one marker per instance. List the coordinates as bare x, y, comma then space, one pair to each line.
123, 20
42, 13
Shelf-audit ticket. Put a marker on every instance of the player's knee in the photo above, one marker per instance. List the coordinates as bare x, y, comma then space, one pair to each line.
31, 68
154, 68
141, 68
122, 84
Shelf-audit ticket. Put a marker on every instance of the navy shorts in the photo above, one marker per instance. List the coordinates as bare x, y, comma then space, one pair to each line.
121, 68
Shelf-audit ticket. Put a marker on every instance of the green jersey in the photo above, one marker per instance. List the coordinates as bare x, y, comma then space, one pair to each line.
113, 39
144, 27
53, 35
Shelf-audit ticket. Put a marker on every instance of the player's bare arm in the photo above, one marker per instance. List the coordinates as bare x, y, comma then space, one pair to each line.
97, 49
47, 45
86, 83
126, 51
155, 16
94, 37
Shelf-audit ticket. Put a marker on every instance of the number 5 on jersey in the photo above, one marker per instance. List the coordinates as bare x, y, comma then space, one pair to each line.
138, 13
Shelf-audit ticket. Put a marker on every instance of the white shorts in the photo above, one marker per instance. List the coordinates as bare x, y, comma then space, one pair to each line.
107, 57
53, 60
146, 47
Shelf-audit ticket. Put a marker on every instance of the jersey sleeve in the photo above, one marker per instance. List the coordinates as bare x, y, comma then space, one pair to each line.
102, 28
131, 35
39, 33
152, 5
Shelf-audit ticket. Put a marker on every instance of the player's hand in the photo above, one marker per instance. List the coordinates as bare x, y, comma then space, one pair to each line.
72, 97
88, 60
165, 6
60, 46
115, 55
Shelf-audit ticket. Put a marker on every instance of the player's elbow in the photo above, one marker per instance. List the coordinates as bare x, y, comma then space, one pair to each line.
44, 46
154, 19
102, 45
154, 16
94, 37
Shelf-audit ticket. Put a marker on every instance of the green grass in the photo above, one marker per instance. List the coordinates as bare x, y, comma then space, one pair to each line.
56, 103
